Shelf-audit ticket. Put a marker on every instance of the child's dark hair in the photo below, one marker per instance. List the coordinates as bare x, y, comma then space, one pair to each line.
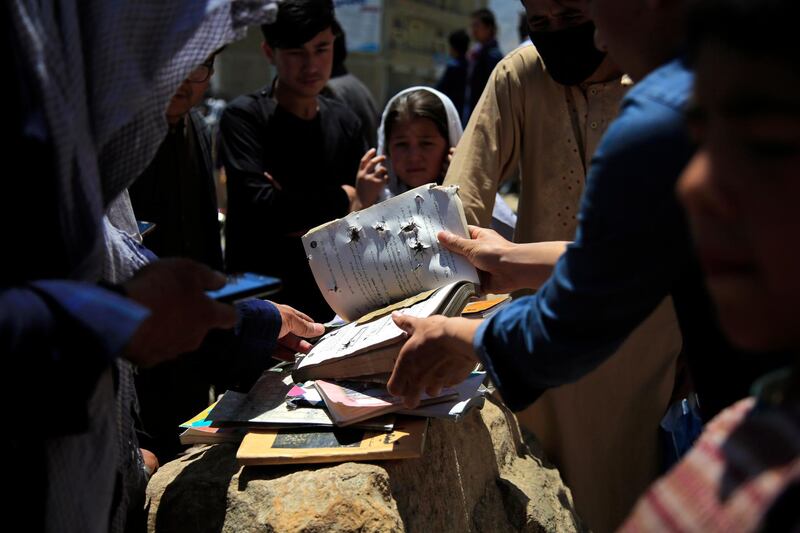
298, 22
485, 16
417, 104
459, 40
754, 27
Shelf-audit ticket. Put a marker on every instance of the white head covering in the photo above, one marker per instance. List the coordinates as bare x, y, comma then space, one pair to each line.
395, 187
104, 72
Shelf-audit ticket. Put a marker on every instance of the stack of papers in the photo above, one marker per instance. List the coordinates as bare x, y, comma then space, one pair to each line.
383, 259
279, 421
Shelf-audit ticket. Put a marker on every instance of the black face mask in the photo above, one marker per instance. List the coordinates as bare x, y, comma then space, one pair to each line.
569, 55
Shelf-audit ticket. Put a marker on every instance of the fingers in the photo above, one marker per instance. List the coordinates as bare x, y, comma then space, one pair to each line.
434, 356
380, 171
398, 384
412, 365
294, 343
410, 380
298, 323
375, 170
303, 346
438, 378
367, 156
376, 161
282, 307
456, 244
405, 322
370, 160
400, 387
434, 389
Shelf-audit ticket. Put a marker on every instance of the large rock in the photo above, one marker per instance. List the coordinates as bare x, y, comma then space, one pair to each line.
476, 475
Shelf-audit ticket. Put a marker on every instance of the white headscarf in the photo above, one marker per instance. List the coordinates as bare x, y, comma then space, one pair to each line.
503, 218
454, 129
104, 71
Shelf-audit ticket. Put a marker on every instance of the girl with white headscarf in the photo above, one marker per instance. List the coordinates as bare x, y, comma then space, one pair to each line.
419, 130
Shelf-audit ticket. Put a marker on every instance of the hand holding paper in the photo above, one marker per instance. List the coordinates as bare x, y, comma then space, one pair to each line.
504, 266
437, 354
388, 252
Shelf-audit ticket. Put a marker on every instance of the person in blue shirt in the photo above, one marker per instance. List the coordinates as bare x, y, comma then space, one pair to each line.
85, 115
631, 250
740, 193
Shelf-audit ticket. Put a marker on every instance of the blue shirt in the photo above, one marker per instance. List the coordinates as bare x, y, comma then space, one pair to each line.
630, 249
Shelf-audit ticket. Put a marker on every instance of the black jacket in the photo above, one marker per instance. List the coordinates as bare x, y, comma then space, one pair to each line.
310, 161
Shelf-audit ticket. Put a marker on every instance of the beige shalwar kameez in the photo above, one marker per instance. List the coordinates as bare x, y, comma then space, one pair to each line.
602, 430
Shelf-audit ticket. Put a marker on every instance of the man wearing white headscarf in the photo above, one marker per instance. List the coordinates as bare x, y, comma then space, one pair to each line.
92, 80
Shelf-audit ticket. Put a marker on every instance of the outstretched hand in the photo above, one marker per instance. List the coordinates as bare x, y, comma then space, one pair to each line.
437, 354
371, 178
504, 266
295, 326
486, 250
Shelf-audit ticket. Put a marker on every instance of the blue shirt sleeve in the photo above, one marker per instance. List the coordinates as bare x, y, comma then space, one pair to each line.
57, 337
236, 358
629, 249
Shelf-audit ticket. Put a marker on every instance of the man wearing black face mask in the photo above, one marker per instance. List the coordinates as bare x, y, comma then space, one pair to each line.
543, 113
555, 101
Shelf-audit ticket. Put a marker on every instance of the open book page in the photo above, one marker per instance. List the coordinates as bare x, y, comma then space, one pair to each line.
388, 252
355, 337
358, 395
265, 404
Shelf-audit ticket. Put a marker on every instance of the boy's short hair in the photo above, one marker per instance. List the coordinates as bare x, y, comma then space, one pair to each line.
459, 40
298, 22
485, 16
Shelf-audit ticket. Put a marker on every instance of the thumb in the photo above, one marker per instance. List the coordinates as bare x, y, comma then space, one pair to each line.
405, 322
456, 244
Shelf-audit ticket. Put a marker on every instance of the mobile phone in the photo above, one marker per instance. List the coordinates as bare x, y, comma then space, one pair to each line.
246, 285
145, 227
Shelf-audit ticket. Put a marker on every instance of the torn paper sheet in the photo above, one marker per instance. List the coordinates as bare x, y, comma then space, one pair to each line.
357, 337
388, 252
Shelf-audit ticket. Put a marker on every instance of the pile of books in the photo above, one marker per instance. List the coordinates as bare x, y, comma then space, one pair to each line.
332, 404
280, 422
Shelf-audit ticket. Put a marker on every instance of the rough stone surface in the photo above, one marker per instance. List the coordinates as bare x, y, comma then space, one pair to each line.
477, 475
